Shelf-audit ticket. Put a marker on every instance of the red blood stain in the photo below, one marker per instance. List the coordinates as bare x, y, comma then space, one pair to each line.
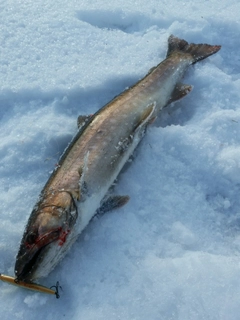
63, 237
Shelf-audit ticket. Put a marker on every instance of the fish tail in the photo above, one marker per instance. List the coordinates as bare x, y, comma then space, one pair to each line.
197, 51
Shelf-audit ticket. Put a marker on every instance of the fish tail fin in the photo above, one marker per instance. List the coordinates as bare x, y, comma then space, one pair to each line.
197, 51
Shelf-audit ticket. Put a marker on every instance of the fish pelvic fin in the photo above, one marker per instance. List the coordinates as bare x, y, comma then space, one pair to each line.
197, 51
111, 203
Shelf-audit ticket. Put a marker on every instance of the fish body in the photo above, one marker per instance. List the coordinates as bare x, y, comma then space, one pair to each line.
94, 158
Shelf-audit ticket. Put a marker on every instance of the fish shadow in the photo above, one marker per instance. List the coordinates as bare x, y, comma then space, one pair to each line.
74, 102
15, 105
67, 101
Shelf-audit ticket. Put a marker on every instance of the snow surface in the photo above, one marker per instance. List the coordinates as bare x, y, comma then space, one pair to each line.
173, 252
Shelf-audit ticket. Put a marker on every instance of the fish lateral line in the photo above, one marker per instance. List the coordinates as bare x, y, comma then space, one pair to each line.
31, 286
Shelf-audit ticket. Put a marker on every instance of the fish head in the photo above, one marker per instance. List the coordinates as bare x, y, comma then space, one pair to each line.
46, 238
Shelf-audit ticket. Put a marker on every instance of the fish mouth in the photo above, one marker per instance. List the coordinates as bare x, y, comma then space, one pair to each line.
24, 268
30, 256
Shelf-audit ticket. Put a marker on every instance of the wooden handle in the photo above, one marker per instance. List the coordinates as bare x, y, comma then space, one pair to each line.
26, 285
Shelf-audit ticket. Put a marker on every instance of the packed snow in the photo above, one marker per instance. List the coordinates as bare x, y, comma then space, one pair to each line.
173, 252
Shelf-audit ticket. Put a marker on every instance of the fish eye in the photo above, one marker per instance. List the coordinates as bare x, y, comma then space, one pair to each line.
31, 237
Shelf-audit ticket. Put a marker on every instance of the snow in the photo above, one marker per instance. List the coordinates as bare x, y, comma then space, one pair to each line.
173, 252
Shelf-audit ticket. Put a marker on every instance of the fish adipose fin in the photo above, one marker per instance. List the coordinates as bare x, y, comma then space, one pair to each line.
197, 51
83, 120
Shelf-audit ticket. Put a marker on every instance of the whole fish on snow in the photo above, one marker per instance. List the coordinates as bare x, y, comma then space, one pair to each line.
94, 158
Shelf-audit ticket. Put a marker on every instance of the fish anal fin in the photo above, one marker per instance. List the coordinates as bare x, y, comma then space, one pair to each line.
112, 202
180, 91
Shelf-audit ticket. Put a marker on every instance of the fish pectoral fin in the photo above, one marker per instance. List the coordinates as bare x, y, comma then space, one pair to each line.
147, 116
82, 120
112, 202
83, 188
82, 191
180, 91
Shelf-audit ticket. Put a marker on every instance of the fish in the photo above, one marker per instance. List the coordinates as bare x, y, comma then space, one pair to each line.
79, 187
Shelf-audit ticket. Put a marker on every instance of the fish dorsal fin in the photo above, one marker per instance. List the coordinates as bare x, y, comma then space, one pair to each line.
180, 91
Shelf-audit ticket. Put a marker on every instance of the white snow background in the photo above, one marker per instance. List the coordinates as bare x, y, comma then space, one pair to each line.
173, 252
